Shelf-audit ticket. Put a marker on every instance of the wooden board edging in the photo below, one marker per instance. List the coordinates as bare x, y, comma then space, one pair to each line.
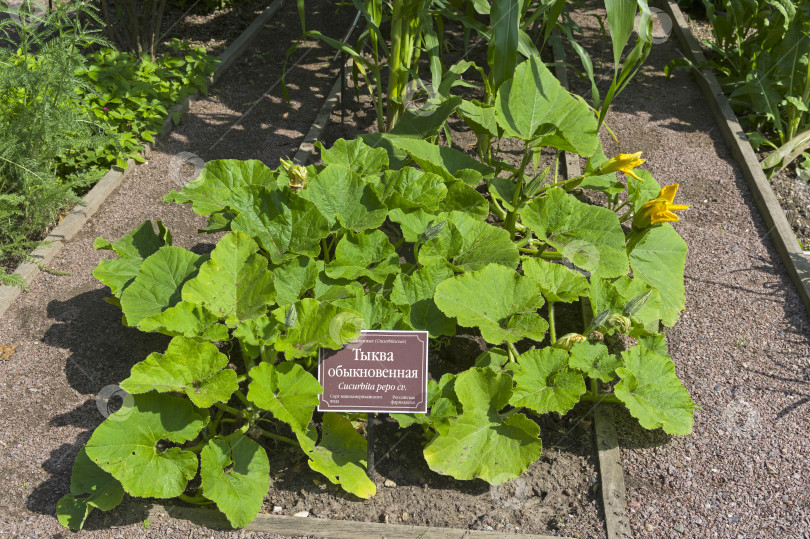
307, 148
784, 239
75, 220
318, 527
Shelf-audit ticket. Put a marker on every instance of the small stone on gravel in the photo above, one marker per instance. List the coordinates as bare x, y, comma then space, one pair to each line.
389, 483
302, 514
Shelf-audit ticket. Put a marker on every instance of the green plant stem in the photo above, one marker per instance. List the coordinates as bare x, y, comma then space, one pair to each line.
325, 249
517, 199
231, 410
625, 203
242, 398
563, 182
212, 426
527, 250
196, 500
278, 437
551, 331
513, 353
551, 255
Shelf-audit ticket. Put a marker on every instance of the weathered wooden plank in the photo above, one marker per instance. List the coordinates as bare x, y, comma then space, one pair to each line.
614, 495
245, 39
307, 148
321, 527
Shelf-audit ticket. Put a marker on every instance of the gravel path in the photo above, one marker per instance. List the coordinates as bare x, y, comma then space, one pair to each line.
741, 347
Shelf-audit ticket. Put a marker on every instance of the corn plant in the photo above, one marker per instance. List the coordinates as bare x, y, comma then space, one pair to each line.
412, 31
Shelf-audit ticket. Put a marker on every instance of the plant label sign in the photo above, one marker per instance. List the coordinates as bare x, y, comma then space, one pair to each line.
380, 371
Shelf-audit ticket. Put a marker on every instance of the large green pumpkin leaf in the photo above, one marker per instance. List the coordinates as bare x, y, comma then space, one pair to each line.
235, 474
480, 117
345, 199
132, 249
479, 443
497, 300
557, 282
409, 189
587, 235
534, 104
317, 325
126, 445
283, 224
328, 289
653, 393
414, 293
367, 254
256, 333
189, 320
190, 367
355, 155
463, 198
658, 257
594, 360
340, 455
158, 283
375, 311
293, 278
286, 390
222, 184
448, 163
413, 222
469, 244
544, 382
90, 488
235, 283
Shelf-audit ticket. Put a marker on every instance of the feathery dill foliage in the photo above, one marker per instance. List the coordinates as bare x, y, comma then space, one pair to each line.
40, 117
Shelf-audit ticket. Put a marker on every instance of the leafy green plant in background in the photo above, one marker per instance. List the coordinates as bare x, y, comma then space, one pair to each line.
760, 51
41, 117
304, 265
67, 114
130, 95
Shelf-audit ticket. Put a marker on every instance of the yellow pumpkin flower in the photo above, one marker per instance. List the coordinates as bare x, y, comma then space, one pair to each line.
624, 162
659, 209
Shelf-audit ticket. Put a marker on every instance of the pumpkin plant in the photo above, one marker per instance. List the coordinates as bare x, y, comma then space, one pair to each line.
303, 262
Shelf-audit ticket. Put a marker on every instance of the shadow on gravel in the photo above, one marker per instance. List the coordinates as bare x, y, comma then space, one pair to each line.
634, 436
59, 465
804, 397
102, 349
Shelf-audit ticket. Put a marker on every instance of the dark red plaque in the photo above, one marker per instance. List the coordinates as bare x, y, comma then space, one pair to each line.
381, 371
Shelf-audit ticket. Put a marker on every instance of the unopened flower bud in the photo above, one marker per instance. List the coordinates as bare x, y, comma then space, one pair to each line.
568, 340
298, 175
620, 322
